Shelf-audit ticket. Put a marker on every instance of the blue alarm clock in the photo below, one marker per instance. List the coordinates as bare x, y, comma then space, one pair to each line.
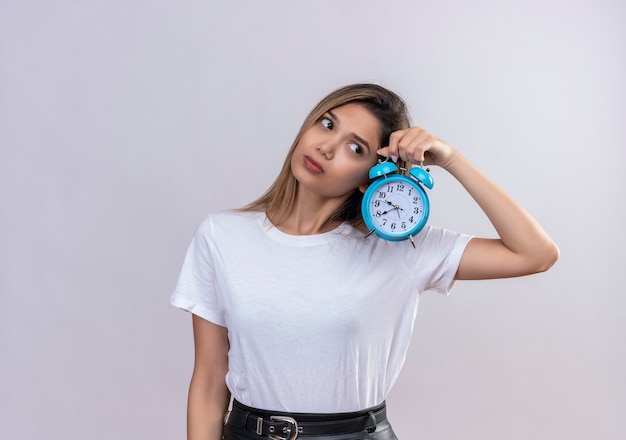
395, 207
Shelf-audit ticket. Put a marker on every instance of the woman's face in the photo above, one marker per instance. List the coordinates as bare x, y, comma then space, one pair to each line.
333, 157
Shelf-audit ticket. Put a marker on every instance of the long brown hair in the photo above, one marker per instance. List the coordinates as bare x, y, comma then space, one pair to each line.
385, 105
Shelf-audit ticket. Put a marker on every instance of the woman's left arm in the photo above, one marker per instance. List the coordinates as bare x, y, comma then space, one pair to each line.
523, 247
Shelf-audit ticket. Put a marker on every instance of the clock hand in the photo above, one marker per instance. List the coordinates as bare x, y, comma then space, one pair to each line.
396, 207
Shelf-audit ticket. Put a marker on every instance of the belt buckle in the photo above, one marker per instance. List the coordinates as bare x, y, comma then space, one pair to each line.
291, 430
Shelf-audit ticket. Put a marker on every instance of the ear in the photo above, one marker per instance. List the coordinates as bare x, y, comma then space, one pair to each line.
364, 187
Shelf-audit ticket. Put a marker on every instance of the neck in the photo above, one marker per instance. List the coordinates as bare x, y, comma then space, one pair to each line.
311, 215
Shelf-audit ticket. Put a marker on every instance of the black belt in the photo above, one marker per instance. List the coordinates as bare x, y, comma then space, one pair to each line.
287, 426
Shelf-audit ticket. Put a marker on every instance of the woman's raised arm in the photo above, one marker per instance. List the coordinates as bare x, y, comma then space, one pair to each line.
523, 247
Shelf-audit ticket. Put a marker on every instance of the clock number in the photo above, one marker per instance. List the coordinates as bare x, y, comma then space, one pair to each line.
384, 221
377, 203
393, 226
378, 213
403, 225
415, 200
416, 210
411, 219
382, 194
389, 188
400, 187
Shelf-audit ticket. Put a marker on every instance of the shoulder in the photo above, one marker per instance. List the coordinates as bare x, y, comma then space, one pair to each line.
230, 220
439, 242
432, 244
431, 237
225, 228
434, 235
225, 225
431, 240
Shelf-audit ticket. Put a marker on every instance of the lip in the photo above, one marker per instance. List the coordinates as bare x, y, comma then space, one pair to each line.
312, 165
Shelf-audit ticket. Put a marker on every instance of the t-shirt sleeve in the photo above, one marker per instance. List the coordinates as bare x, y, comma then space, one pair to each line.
442, 252
196, 290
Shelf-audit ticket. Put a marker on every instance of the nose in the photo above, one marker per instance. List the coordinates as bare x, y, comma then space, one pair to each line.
327, 148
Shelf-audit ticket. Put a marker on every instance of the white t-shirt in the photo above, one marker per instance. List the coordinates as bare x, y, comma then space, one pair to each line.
316, 323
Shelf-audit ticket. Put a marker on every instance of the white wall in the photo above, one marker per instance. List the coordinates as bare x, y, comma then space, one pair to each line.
119, 121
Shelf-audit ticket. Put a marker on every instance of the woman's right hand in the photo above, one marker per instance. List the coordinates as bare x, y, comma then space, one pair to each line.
417, 145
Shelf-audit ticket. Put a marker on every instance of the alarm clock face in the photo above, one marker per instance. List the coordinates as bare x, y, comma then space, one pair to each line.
395, 207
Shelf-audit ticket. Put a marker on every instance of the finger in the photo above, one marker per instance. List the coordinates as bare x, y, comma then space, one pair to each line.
422, 145
394, 140
408, 148
410, 144
383, 151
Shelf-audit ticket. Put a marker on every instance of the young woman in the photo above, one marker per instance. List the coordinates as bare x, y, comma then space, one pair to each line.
300, 319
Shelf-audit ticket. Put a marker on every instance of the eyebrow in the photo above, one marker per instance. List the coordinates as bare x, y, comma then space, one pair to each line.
356, 136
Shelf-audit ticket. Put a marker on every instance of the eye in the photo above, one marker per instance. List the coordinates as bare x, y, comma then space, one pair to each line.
356, 148
327, 123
